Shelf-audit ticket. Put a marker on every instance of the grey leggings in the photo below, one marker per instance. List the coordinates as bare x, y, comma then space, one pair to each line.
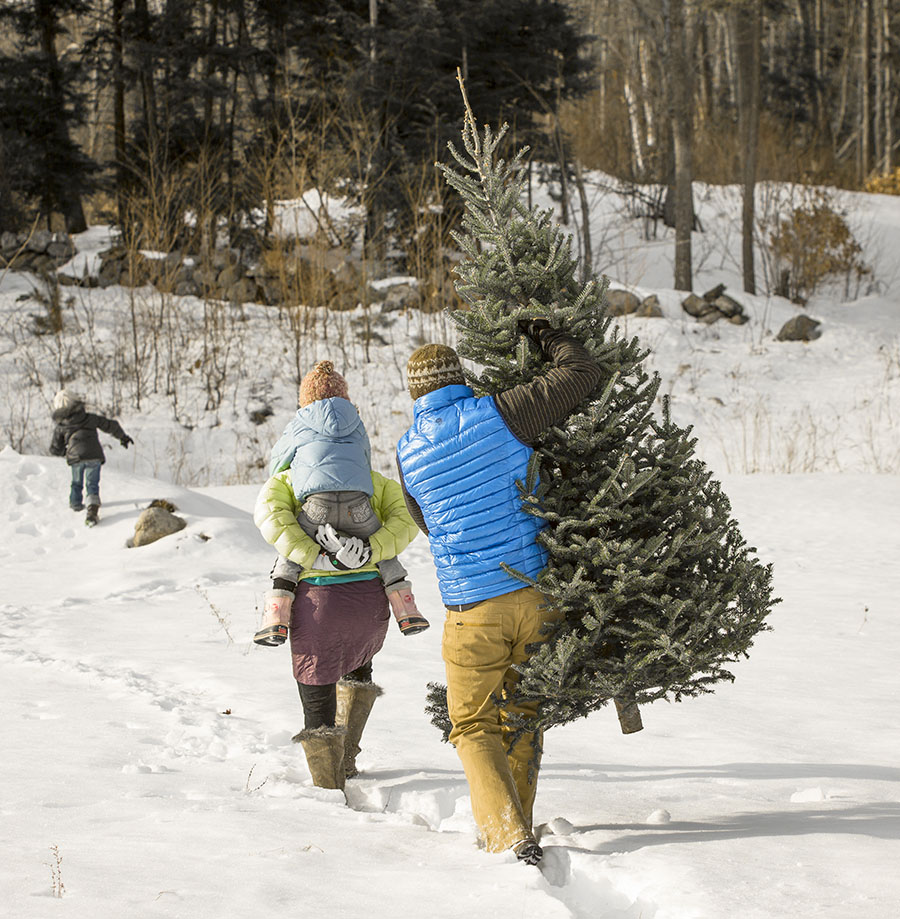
350, 513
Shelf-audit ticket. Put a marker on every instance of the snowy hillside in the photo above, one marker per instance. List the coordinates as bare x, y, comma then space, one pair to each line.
147, 740
757, 404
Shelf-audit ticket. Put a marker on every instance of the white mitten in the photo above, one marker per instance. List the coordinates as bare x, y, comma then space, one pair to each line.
328, 539
353, 554
346, 552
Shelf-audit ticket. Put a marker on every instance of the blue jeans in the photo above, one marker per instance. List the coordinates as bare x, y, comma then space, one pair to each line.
87, 473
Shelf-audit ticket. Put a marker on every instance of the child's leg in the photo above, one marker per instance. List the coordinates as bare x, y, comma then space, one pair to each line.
391, 571
285, 574
358, 519
92, 482
350, 513
403, 606
276, 618
319, 509
277, 603
75, 490
286, 570
393, 574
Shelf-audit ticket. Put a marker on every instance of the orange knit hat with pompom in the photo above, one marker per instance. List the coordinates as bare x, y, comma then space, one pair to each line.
322, 382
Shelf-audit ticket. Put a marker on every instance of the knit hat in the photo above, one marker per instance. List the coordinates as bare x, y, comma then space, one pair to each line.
64, 400
322, 383
431, 367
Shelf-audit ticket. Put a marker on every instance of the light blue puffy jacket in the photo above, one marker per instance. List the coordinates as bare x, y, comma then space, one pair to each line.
327, 449
460, 461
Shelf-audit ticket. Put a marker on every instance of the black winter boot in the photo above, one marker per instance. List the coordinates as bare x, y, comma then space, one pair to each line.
528, 851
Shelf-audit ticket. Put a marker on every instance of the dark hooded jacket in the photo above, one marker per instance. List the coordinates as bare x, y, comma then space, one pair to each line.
75, 436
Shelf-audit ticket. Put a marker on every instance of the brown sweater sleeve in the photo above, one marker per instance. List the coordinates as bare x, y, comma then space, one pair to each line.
411, 504
531, 408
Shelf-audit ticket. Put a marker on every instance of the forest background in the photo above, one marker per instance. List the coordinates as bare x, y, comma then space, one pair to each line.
184, 123
291, 146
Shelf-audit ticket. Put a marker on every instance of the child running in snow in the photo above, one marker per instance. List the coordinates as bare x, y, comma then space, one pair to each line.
75, 438
327, 450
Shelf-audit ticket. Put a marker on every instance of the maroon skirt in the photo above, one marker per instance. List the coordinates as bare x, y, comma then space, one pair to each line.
336, 628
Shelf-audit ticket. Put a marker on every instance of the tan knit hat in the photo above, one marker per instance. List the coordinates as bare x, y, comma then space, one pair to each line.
431, 367
322, 382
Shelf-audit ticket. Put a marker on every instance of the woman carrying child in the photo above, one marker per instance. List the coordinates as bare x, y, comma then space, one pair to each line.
337, 526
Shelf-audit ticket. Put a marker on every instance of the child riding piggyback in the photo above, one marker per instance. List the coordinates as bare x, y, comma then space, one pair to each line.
327, 450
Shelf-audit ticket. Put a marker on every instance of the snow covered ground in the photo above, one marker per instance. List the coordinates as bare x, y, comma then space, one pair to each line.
147, 739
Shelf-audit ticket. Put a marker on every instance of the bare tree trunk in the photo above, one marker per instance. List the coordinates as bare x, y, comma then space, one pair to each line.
844, 68
145, 74
704, 77
810, 23
118, 77
818, 48
748, 38
865, 101
212, 30
7, 206
69, 201
645, 56
562, 158
635, 133
878, 119
587, 254
680, 99
888, 91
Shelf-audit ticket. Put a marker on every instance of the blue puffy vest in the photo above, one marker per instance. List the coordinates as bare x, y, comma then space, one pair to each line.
327, 449
460, 461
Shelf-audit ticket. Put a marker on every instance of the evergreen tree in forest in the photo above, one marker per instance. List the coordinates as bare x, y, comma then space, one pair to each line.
380, 96
40, 105
659, 589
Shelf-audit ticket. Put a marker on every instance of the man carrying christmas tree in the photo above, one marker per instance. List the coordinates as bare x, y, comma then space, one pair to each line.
460, 464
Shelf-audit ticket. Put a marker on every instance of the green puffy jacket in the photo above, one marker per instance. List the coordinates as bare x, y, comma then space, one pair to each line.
276, 513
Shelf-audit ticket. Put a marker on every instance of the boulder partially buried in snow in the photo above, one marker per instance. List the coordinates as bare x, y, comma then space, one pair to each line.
155, 522
622, 302
800, 328
714, 305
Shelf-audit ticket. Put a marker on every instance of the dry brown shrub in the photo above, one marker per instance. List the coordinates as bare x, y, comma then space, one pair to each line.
888, 184
815, 243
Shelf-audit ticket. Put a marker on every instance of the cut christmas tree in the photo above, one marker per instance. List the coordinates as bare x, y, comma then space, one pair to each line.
661, 593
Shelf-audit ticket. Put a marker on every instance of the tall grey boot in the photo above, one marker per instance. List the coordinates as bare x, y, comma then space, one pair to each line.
324, 749
629, 716
354, 704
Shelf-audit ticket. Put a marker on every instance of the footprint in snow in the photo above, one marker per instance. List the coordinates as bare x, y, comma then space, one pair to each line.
433, 802
556, 866
582, 882
27, 469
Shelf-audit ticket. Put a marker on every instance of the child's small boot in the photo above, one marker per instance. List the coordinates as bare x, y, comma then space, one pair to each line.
276, 618
92, 517
403, 606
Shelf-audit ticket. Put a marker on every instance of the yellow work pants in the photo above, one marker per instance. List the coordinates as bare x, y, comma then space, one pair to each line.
480, 647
